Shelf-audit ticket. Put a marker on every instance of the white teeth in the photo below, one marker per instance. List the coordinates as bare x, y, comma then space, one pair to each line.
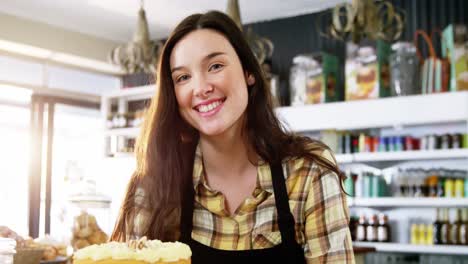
207, 108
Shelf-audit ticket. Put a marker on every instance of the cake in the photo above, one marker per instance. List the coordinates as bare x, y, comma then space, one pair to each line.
142, 251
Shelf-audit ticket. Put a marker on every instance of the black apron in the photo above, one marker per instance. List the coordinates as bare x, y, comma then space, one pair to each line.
289, 251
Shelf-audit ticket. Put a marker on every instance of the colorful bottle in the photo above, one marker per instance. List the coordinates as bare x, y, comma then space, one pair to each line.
449, 188
429, 234
414, 234
459, 188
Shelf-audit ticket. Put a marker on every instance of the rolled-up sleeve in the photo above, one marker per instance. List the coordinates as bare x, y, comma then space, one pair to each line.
328, 239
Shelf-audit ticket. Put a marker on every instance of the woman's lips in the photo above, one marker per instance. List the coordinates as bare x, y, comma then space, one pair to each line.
210, 109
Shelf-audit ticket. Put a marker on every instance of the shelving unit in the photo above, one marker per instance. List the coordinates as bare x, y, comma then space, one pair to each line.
122, 98
401, 202
396, 114
409, 248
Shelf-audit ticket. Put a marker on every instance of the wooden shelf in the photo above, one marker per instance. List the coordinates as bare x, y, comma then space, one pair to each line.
409, 248
407, 202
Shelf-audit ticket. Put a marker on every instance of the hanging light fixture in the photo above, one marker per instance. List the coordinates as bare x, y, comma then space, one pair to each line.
140, 54
261, 47
365, 19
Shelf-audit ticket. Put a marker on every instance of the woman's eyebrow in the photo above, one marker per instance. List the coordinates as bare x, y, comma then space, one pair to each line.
207, 57
213, 54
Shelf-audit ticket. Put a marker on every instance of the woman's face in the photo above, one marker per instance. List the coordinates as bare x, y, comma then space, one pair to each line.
209, 82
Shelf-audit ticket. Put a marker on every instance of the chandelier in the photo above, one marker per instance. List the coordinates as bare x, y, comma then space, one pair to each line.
374, 19
140, 54
261, 47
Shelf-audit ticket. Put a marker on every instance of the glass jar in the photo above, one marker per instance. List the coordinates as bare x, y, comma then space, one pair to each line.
404, 69
89, 220
7, 250
300, 71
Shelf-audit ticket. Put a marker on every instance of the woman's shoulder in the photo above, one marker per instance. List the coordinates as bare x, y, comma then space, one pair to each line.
311, 151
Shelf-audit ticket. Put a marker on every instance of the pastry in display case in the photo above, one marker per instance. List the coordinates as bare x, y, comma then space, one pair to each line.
32, 251
86, 231
87, 211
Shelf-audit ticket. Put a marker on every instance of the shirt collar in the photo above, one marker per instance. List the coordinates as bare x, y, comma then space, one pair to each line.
264, 177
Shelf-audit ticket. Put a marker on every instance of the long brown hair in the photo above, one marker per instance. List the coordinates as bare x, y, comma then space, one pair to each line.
166, 147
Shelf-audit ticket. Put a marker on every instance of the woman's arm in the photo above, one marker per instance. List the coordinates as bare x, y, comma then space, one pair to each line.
328, 239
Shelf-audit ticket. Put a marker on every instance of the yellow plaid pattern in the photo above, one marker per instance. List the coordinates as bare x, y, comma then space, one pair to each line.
316, 201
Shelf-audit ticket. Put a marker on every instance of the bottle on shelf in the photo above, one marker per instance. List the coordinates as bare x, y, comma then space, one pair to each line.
437, 230
445, 227
463, 231
361, 229
454, 232
429, 234
353, 224
371, 230
383, 230
414, 234
449, 188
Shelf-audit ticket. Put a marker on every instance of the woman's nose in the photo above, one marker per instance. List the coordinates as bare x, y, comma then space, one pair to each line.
203, 88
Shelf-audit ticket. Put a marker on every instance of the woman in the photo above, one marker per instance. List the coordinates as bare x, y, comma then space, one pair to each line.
215, 169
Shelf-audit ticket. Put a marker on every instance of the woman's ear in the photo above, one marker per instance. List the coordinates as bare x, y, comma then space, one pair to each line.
249, 79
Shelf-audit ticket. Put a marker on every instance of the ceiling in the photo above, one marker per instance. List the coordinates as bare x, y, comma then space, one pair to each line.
116, 19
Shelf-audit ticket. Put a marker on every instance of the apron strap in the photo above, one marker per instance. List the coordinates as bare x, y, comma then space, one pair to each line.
186, 216
285, 219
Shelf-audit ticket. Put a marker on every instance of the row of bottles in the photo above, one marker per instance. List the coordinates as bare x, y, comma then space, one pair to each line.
365, 184
436, 182
410, 182
441, 231
362, 142
372, 230
447, 233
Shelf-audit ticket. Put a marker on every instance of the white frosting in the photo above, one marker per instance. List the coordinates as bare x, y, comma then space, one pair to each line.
153, 250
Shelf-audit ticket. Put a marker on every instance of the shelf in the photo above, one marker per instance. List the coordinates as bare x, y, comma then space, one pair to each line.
407, 202
132, 94
408, 248
128, 132
386, 112
403, 155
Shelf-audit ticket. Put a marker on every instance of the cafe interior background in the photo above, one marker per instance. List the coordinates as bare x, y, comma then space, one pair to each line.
383, 83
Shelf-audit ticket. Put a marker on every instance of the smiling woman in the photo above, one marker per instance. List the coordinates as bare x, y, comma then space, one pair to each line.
216, 170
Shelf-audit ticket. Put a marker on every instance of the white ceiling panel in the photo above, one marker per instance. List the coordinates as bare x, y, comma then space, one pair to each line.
116, 19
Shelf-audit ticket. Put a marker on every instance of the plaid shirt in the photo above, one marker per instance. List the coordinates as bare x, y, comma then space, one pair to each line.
316, 201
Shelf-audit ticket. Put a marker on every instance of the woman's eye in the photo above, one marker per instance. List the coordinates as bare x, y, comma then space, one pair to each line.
182, 78
216, 66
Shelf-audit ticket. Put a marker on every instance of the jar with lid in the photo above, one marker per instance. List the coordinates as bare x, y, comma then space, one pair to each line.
404, 69
89, 218
7, 250
303, 66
